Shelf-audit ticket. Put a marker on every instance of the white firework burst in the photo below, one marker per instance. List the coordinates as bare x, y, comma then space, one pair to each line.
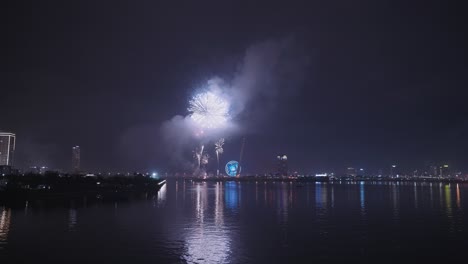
219, 150
209, 110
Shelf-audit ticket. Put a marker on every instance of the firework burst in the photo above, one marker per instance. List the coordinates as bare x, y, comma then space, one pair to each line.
209, 110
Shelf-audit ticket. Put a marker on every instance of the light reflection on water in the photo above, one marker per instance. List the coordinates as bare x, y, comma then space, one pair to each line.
232, 196
219, 205
72, 219
362, 198
161, 196
395, 201
5, 218
283, 202
241, 222
207, 239
415, 190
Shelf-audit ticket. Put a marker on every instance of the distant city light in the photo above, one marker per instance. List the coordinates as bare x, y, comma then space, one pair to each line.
282, 157
232, 168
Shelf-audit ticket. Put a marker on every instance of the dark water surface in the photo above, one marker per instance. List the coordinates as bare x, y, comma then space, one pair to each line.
248, 222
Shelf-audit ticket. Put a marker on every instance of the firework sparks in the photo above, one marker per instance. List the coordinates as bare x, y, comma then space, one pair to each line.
209, 110
198, 155
219, 146
219, 150
205, 158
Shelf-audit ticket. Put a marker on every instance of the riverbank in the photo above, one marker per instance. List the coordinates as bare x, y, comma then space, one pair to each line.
320, 179
36, 187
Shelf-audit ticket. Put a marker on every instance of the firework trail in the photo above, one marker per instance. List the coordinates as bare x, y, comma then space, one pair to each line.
198, 155
219, 150
209, 110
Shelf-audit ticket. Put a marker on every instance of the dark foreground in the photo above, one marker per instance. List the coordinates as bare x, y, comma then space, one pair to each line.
245, 222
16, 189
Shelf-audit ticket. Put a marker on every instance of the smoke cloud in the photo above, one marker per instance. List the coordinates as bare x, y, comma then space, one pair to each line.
269, 72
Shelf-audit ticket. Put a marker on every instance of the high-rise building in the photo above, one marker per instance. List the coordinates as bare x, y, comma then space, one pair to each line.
351, 172
76, 158
393, 171
7, 148
282, 165
433, 171
380, 173
444, 171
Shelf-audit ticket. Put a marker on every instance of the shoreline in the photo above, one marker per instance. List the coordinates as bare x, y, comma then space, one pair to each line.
97, 189
316, 179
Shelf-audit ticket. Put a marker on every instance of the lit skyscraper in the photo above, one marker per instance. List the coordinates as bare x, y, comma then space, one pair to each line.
433, 171
393, 171
351, 172
7, 148
282, 165
444, 171
76, 158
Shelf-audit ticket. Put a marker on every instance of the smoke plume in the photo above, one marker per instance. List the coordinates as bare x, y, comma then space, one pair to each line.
268, 72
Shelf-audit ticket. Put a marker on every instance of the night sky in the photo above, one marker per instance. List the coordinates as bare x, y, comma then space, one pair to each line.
373, 82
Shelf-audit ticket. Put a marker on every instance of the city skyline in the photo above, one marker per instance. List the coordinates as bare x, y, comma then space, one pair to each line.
278, 167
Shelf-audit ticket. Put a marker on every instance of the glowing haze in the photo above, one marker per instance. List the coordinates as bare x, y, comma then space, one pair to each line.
209, 110
221, 108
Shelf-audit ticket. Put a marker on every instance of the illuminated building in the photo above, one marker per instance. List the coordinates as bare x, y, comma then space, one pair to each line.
393, 171
38, 169
7, 148
350, 171
282, 168
433, 171
76, 159
380, 173
444, 171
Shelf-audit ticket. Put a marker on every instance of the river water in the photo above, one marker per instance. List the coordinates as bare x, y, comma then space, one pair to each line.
245, 222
